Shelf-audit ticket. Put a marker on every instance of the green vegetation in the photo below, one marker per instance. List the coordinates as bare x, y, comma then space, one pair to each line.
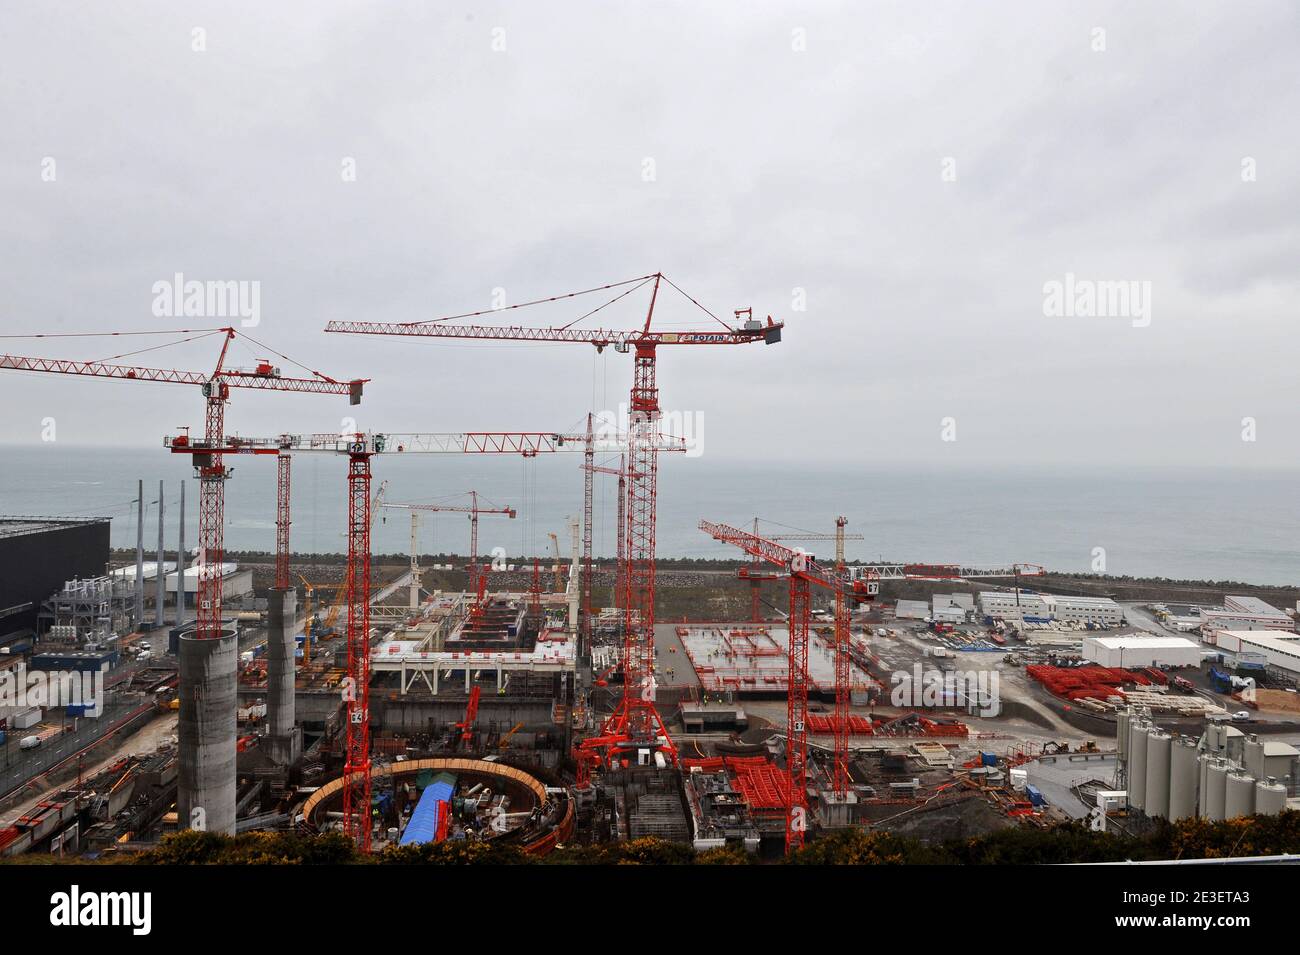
1071, 842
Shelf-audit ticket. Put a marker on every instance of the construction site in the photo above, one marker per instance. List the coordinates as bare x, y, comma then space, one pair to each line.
542, 701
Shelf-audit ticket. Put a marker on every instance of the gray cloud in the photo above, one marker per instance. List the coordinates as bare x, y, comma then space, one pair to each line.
777, 170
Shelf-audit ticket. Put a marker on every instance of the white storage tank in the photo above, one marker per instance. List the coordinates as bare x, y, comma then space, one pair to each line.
1252, 759
1137, 764
1156, 797
1216, 738
1216, 791
1121, 733
1184, 777
1241, 795
1270, 797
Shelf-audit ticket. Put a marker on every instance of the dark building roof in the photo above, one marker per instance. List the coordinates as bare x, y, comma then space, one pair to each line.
23, 526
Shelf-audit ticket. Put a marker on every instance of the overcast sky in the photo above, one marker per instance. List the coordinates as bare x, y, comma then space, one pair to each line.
898, 182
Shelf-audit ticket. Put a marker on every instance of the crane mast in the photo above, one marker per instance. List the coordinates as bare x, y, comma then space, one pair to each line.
635, 723
843, 669
588, 481
477, 579
803, 573
207, 456
621, 523
359, 448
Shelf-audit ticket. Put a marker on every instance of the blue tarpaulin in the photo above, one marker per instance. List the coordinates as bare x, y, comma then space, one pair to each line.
423, 826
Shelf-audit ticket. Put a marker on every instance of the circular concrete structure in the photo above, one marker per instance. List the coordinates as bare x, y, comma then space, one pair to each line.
535, 840
206, 732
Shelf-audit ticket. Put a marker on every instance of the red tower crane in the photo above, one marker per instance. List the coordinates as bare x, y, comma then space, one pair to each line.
206, 454
477, 579
755, 575
588, 480
803, 572
359, 448
636, 721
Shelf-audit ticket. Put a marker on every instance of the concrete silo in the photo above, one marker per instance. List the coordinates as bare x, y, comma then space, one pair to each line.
1270, 797
1184, 779
1137, 764
1215, 798
1240, 799
1156, 797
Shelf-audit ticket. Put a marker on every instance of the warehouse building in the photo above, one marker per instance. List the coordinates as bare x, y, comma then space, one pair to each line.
1138, 650
1280, 649
236, 584
1009, 605
37, 555
952, 608
1100, 611
912, 610
1244, 613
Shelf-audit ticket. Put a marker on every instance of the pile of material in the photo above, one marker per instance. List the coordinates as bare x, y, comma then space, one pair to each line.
1279, 700
909, 724
758, 780
1093, 682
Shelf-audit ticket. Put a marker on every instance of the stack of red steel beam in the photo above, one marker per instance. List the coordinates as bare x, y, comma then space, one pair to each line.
858, 725
763, 784
1091, 682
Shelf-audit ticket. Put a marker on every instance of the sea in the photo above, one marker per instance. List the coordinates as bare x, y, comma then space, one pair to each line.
1183, 523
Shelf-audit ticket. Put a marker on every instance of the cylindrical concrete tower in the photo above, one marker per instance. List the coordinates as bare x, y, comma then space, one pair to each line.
206, 731
281, 622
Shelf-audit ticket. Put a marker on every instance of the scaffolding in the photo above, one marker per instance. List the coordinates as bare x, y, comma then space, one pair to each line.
85, 611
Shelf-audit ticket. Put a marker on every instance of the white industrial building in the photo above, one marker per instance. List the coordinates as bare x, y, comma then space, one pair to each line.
1219, 775
1213, 621
965, 601
1138, 650
1278, 648
912, 610
1101, 611
235, 583
1243, 613
952, 608
953, 615
1253, 606
1013, 606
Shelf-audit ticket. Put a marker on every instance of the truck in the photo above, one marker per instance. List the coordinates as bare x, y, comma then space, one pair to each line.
29, 742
